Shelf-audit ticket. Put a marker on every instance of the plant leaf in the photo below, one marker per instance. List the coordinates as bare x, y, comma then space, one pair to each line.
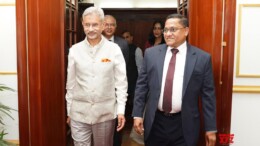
3, 87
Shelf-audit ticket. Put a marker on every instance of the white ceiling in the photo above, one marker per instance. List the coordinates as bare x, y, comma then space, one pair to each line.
133, 3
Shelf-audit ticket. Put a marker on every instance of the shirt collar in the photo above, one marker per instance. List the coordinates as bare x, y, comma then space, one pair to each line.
98, 45
182, 48
112, 39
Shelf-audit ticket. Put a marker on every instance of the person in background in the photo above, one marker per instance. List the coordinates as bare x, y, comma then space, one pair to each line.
133, 69
156, 35
135, 62
174, 77
96, 85
109, 33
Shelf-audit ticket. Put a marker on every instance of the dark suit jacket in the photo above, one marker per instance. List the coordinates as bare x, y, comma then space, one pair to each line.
124, 47
197, 82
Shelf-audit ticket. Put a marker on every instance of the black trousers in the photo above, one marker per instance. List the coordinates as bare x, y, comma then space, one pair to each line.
117, 136
166, 131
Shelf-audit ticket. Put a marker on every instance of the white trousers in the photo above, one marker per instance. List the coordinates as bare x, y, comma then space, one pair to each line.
102, 133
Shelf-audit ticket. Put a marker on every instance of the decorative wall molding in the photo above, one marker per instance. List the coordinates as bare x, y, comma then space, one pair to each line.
15, 142
8, 73
247, 51
7, 4
246, 89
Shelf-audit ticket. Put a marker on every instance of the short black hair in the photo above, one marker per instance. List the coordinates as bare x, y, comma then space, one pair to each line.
126, 31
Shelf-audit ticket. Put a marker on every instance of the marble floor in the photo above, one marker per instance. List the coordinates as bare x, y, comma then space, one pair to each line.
127, 140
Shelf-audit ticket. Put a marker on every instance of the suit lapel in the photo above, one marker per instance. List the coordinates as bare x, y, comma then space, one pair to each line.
115, 40
191, 58
160, 62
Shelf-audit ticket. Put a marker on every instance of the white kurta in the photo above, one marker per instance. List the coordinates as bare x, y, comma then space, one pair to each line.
96, 82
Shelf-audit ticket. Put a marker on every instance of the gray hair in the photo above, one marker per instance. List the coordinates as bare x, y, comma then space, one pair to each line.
110, 16
94, 10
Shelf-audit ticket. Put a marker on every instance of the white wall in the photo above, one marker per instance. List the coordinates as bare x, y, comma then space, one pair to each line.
135, 3
8, 65
245, 117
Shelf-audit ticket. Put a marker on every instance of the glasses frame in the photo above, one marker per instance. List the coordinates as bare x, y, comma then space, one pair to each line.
109, 25
172, 29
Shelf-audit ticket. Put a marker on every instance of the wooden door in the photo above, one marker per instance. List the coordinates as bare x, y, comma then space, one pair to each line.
41, 79
208, 30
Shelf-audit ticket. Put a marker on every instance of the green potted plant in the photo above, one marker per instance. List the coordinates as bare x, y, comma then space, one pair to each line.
5, 111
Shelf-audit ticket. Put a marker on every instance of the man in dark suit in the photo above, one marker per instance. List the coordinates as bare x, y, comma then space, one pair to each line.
108, 32
177, 124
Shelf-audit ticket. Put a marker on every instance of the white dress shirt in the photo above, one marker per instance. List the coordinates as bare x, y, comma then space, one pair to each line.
112, 39
138, 59
178, 77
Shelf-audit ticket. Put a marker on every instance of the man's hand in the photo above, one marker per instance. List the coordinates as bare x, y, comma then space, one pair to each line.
68, 121
138, 125
210, 138
121, 122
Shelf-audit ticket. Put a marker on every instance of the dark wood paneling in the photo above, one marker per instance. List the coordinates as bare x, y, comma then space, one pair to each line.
138, 21
41, 83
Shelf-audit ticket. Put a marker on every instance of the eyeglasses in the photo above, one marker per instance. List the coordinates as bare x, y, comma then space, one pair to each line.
110, 24
172, 29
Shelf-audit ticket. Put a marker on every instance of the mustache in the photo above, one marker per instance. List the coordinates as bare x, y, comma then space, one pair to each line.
92, 31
